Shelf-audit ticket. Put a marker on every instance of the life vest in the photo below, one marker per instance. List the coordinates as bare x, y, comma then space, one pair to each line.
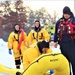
66, 27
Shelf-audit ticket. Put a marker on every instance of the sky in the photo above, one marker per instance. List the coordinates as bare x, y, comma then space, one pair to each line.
50, 5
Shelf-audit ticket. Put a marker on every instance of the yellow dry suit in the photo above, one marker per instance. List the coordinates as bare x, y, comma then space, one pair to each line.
31, 54
35, 36
18, 43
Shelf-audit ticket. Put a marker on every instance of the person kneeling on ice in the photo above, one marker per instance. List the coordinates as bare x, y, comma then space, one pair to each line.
32, 53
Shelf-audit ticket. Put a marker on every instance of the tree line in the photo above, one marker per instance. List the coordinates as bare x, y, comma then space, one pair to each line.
17, 12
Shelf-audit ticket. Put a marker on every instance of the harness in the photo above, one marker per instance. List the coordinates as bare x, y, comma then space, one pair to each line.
19, 40
66, 27
37, 35
16, 39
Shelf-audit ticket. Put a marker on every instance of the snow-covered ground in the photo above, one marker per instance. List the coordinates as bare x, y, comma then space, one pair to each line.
5, 58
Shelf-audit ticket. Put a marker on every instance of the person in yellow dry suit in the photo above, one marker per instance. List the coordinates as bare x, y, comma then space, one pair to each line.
17, 41
37, 34
32, 53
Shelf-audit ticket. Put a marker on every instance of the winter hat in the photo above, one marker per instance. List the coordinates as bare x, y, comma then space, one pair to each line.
43, 44
66, 10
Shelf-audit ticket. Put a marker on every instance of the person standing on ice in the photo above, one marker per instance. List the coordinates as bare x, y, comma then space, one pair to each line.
37, 34
65, 35
17, 41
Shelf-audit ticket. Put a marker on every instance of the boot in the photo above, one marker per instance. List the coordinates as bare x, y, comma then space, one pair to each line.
18, 73
18, 67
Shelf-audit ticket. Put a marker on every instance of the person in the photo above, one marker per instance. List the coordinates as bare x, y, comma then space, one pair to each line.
32, 53
17, 41
65, 35
37, 34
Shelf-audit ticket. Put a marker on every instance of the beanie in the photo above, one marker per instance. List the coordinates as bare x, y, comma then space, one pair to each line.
37, 21
43, 44
66, 10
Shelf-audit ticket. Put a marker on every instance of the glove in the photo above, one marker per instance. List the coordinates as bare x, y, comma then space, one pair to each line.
51, 71
10, 52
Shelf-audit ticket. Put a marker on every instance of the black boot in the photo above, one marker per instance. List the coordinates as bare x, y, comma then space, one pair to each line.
18, 73
18, 67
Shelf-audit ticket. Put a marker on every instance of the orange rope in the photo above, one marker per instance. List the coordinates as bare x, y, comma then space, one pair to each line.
21, 38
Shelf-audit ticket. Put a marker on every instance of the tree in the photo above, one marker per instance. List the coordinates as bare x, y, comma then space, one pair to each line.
55, 16
21, 11
42, 15
16, 16
31, 17
11, 14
